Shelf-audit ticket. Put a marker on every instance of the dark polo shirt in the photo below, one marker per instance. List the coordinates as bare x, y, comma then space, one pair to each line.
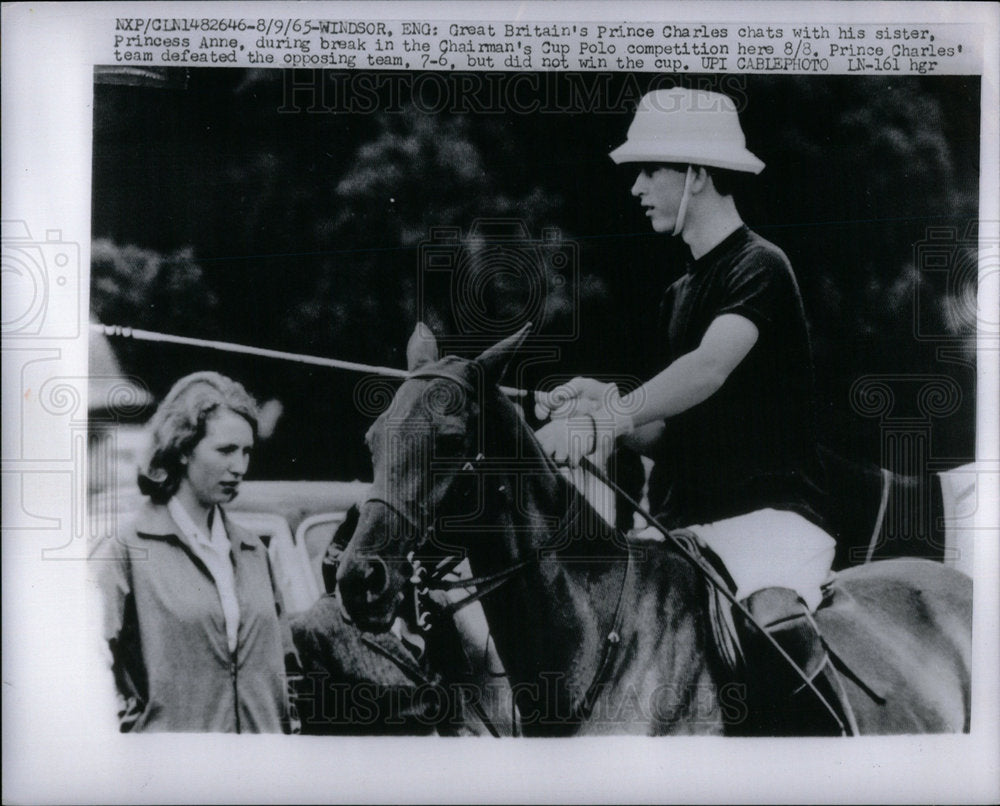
750, 445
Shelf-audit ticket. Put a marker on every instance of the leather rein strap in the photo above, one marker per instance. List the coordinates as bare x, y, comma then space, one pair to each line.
425, 580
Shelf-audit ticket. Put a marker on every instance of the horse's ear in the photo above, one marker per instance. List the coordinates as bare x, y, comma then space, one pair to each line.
496, 359
422, 348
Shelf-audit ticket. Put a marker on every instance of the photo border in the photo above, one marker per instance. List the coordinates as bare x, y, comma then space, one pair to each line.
60, 746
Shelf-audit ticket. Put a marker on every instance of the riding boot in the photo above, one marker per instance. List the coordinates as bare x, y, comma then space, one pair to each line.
786, 703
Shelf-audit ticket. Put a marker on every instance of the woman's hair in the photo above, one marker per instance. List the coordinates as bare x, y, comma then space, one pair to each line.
179, 425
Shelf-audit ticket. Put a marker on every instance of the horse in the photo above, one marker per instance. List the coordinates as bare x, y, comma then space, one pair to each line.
600, 634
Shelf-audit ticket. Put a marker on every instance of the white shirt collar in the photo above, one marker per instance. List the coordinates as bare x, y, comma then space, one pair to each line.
215, 539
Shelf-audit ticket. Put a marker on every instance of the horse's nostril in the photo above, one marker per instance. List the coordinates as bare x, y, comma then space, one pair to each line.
376, 579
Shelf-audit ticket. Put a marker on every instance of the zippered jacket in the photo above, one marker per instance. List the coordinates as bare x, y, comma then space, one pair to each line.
165, 628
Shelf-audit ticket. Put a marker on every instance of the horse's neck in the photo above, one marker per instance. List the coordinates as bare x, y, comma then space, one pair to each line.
553, 616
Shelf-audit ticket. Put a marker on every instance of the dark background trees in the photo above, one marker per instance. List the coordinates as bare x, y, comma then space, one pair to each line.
226, 207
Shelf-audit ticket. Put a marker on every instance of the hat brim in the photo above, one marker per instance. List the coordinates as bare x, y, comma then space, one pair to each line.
695, 154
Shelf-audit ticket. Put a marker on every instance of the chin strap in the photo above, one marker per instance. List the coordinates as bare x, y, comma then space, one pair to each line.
685, 198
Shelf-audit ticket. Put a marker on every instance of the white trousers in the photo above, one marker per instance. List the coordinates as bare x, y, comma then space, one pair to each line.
770, 548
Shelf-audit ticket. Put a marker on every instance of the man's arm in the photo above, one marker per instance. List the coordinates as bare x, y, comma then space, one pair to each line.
695, 376
592, 412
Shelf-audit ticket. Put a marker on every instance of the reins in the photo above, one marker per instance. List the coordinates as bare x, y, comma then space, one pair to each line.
484, 585
425, 579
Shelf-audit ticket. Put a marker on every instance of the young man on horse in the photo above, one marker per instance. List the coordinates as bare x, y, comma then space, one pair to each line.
729, 420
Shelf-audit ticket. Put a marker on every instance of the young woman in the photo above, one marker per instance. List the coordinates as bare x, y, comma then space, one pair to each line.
191, 615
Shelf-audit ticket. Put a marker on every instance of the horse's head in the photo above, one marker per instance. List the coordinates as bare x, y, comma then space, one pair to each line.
424, 448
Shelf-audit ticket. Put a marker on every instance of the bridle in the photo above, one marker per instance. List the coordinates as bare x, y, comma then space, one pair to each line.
425, 577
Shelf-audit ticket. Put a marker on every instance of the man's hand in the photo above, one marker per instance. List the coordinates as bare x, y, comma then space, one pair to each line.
568, 439
586, 418
578, 396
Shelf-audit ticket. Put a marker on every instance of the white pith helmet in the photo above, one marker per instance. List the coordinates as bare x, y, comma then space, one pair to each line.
697, 127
